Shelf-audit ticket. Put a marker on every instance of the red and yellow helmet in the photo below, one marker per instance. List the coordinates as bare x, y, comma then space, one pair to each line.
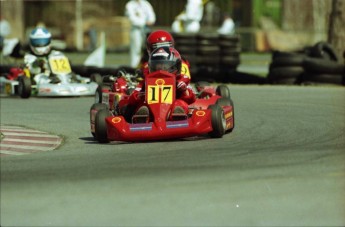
159, 38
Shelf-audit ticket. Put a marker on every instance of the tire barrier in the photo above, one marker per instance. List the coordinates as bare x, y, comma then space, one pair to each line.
314, 65
186, 44
230, 50
215, 58
87, 71
285, 68
212, 57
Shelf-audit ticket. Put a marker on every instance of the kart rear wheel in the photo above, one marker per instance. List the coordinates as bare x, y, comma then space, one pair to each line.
101, 126
224, 101
96, 77
24, 87
223, 90
93, 112
200, 85
228, 102
99, 92
218, 121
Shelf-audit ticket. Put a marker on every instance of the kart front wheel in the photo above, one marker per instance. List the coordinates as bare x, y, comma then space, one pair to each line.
93, 112
200, 85
97, 78
223, 90
228, 102
218, 121
24, 87
101, 126
99, 92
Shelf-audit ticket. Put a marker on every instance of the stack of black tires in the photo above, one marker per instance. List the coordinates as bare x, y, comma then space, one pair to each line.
212, 57
208, 57
314, 65
186, 44
230, 50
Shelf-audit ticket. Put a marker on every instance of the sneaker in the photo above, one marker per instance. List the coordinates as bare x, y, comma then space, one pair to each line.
178, 110
178, 114
142, 111
54, 79
142, 115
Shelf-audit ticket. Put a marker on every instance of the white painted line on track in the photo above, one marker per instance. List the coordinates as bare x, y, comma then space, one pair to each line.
34, 148
26, 134
30, 140
12, 152
16, 140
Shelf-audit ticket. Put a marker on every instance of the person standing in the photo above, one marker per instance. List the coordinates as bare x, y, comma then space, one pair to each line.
189, 20
5, 30
228, 26
140, 14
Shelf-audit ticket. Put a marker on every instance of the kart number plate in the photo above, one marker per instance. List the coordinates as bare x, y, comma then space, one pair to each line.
160, 94
8, 89
60, 65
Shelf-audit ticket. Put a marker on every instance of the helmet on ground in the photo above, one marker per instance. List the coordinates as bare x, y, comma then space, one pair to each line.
166, 59
159, 38
40, 39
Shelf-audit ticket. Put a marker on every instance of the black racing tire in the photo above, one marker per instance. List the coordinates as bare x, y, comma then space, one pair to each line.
231, 51
323, 50
229, 41
97, 107
224, 91
101, 126
230, 60
293, 60
218, 121
223, 101
184, 39
227, 102
96, 77
323, 66
207, 39
285, 75
24, 87
208, 60
99, 92
323, 79
231, 37
286, 54
80, 70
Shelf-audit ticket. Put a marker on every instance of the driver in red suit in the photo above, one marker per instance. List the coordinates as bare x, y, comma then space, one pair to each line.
166, 59
161, 38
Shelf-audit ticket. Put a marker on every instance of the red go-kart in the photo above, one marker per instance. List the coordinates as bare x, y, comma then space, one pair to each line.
124, 83
213, 115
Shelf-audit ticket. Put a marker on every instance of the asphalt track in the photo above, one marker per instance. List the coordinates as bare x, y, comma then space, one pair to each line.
283, 165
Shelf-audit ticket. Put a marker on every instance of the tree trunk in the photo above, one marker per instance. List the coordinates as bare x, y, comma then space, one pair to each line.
336, 31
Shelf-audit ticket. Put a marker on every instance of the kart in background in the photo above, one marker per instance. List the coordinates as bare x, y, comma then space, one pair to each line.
60, 81
205, 90
213, 116
113, 94
9, 81
124, 83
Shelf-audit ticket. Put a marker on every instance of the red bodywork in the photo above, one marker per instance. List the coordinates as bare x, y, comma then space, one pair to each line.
160, 96
120, 85
15, 73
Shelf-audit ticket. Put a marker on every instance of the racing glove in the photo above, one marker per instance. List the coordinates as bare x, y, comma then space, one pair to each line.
181, 86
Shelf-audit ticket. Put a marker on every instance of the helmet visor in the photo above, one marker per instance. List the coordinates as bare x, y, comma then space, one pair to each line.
41, 42
164, 65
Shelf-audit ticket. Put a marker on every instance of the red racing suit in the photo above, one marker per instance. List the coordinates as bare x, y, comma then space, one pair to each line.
184, 89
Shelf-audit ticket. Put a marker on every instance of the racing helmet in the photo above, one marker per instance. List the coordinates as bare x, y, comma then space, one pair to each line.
159, 38
40, 39
166, 59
